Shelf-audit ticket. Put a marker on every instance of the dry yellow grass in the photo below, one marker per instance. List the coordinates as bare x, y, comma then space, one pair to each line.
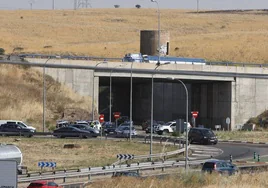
196, 180
114, 32
92, 152
21, 96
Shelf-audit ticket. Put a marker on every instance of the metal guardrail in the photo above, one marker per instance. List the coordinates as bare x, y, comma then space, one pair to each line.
105, 170
157, 155
69, 57
43, 56
109, 170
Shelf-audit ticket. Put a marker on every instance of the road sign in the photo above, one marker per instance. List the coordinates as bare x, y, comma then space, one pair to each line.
101, 118
194, 114
117, 115
47, 164
8, 174
125, 156
228, 120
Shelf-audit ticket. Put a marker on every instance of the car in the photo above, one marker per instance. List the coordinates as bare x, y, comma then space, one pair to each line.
126, 174
219, 166
95, 124
147, 123
62, 123
170, 127
44, 184
122, 119
202, 136
108, 127
94, 132
81, 122
13, 129
17, 122
71, 132
155, 126
124, 131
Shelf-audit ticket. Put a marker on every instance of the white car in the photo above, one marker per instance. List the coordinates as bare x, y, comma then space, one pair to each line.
17, 122
170, 127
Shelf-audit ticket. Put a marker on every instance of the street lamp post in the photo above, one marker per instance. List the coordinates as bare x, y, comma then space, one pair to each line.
110, 106
93, 88
186, 142
152, 108
130, 113
158, 11
44, 94
44, 91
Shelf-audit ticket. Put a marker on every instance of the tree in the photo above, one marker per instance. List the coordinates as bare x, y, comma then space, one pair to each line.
116, 6
138, 6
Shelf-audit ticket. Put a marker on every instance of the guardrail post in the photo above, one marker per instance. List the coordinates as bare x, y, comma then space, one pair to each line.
231, 158
163, 169
89, 177
64, 179
145, 139
106, 136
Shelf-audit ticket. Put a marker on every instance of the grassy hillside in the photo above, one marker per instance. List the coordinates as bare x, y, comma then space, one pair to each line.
222, 36
21, 97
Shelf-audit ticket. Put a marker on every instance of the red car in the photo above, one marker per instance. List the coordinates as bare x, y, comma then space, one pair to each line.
44, 184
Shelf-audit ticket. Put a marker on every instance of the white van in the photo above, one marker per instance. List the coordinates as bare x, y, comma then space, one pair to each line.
17, 122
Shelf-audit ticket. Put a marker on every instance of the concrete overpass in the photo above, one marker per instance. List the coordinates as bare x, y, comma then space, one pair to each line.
217, 92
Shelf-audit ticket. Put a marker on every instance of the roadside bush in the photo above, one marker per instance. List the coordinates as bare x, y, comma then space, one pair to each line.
2, 51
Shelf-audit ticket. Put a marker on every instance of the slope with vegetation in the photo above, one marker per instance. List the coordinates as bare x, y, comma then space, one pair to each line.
21, 96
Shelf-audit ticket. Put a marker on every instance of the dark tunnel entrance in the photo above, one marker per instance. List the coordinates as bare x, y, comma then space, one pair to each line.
212, 99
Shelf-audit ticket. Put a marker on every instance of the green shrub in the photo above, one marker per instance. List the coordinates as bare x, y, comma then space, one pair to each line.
2, 51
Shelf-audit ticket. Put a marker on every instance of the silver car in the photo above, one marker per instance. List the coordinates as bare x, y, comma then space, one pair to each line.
124, 131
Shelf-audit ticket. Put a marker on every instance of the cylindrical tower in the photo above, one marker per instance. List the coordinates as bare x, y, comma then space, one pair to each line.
149, 42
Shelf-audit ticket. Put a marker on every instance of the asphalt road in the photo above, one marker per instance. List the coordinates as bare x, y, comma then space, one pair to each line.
241, 151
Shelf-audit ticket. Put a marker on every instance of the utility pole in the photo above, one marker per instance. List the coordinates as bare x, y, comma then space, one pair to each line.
53, 4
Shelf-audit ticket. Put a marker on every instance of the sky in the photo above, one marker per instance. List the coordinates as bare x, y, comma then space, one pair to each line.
165, 4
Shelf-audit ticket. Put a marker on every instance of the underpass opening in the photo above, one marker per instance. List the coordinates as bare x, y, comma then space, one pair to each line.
212, 99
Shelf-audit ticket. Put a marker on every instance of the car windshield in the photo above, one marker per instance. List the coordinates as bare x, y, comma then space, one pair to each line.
208, 133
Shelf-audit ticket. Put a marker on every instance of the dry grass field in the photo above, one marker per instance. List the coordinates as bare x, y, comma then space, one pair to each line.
93, 152
222, 36
192, 180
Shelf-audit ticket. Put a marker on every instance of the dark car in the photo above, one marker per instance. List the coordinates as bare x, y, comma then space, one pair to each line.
202, 136
127, 174
155, 125
146, 123
220, 166
94, 132
108, 127
122, 119
13, 129
44, 184
71, 132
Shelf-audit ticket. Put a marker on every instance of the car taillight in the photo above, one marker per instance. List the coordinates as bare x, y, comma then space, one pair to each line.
215, 166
